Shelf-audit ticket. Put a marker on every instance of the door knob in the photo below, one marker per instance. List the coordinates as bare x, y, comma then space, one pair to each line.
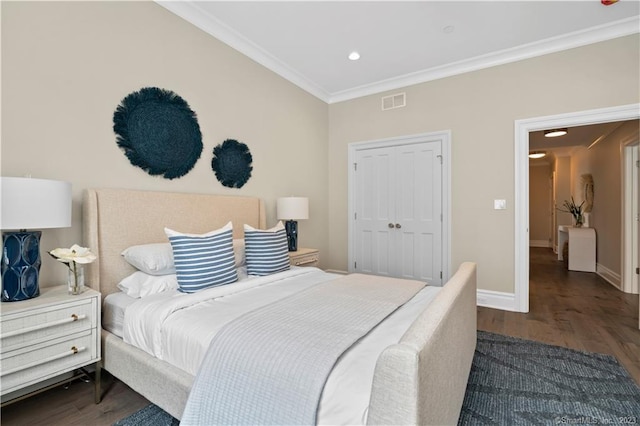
391, 225
398, 226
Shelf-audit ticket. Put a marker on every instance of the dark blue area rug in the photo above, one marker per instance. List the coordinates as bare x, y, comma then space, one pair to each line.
521, 382
151, 415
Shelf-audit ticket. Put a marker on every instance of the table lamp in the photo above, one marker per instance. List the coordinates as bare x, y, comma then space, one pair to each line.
28, 204
291, 209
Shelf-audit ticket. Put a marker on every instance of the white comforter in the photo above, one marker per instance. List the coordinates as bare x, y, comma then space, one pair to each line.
177, 327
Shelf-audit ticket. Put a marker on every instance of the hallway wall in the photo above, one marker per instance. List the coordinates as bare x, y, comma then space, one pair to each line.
540, 205
604, 162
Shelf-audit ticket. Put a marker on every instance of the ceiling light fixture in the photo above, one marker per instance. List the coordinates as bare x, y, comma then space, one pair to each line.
554, 133
537, 154
354, 56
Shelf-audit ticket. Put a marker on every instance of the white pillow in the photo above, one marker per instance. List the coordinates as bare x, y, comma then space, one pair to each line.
140, 284
153, 259
157, 259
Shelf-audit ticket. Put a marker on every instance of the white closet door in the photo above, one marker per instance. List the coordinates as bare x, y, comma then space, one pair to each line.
398, 197
418, 212
375, 180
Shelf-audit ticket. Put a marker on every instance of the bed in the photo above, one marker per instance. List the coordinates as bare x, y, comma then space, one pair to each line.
418, 378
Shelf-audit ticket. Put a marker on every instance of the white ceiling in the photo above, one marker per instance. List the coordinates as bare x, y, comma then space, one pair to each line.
400, 43
580, 136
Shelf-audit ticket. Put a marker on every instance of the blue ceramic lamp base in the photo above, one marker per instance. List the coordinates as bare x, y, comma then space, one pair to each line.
292, 234
20, 265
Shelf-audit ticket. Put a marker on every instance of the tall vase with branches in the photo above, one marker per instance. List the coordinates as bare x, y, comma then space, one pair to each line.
576, 210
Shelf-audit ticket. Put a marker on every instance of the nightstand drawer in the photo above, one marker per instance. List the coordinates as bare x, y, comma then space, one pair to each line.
35, 363
32, 327
306, 260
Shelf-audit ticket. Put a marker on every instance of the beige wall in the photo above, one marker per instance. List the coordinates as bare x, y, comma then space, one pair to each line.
480, 109
604, 162
66, 66
540, 205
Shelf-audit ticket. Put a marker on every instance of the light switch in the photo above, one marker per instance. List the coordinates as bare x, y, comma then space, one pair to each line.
499, 204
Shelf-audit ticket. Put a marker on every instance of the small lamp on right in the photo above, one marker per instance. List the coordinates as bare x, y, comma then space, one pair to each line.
291, 209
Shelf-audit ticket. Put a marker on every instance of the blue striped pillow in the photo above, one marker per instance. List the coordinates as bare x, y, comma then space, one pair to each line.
267, 251
205, 260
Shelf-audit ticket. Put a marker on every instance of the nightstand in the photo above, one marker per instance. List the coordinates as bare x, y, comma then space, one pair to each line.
46, 337
305, 257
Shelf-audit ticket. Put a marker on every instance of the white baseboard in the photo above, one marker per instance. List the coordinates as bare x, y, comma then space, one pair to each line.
539, 243
497, 300
609, 276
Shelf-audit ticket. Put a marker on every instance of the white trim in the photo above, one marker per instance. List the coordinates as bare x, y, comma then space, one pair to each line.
191, 12
597, 34
522, 129
496, 300
609, 276
445, 138
539, 243
629, 212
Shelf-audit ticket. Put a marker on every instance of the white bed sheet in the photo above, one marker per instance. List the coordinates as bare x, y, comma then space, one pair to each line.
113, 312
115, 305
178, 327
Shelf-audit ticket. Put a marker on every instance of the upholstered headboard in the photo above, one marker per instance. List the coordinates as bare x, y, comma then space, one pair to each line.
114, 219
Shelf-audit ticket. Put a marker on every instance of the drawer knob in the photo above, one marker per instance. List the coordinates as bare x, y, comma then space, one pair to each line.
75, 317
74, 349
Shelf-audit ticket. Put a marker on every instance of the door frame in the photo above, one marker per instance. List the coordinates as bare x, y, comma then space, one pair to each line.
522, 129
629, 216
444, 137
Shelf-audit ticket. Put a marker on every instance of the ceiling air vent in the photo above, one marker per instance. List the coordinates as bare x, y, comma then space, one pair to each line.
394, 101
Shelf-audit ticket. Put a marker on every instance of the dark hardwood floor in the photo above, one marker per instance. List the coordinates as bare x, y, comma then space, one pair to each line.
75, 405
577, 310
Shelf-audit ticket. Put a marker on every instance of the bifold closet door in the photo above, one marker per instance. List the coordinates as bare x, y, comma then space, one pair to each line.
399, 211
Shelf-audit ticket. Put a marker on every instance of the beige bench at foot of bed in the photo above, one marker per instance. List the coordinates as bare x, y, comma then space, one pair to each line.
422, 379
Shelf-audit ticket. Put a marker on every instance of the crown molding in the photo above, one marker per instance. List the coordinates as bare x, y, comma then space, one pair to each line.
592, 35
191, 12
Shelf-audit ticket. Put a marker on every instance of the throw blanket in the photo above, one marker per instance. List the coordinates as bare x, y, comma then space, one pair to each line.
270, 366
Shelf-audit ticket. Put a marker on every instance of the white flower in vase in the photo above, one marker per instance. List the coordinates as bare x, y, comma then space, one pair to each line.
74, 258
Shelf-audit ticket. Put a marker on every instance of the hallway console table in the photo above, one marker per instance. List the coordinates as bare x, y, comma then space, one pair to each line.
582, 247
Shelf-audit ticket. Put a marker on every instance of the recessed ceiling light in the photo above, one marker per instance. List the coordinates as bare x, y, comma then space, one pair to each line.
554, 133
448, 29
354, 56
537, 154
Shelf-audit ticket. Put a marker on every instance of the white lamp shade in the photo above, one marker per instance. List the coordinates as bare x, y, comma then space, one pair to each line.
293, 208
29, 203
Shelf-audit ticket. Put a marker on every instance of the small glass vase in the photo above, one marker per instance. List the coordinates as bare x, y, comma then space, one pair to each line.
579, 221
75, 279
